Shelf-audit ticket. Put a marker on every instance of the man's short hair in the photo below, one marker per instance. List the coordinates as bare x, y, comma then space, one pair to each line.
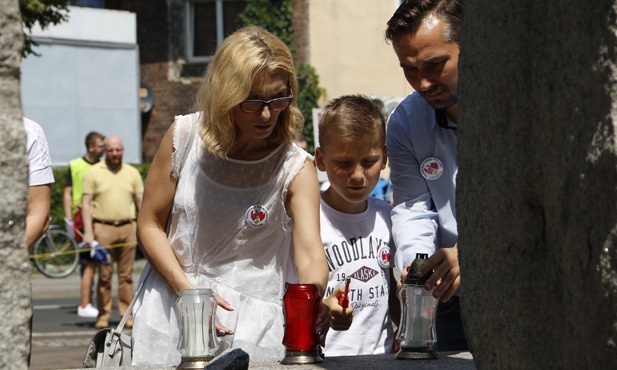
92, 137
410, 14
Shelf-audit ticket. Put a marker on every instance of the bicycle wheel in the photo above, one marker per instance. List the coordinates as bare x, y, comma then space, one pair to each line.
56, 254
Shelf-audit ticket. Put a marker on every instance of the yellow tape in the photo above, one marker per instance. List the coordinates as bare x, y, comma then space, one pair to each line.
79, 250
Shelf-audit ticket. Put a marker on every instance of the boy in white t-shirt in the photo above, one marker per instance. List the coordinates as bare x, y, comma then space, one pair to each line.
355, 229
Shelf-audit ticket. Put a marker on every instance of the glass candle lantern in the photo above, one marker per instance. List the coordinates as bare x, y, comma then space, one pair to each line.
301, 307
197, 344
416, 333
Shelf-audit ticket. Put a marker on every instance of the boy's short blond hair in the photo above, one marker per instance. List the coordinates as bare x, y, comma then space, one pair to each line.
227, 82
350, 118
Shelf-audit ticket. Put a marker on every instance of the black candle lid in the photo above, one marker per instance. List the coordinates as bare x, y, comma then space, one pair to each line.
412, 271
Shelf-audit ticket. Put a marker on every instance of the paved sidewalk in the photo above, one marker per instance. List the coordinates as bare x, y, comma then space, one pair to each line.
59, 352
64, 350
44, 287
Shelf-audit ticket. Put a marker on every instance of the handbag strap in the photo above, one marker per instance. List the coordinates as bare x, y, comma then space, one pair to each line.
129, 309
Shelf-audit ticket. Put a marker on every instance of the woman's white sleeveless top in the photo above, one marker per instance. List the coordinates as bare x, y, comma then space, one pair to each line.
230, 232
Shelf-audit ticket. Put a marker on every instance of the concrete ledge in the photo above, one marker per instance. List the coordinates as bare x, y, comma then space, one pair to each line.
446, 361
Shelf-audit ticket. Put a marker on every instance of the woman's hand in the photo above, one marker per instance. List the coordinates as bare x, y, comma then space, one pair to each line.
221, 330
323, 323
396, 345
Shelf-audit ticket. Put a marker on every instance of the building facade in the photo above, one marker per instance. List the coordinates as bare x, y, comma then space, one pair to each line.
85, 78
342, 39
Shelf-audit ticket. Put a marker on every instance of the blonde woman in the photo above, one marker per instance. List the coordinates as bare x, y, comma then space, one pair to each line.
244, 208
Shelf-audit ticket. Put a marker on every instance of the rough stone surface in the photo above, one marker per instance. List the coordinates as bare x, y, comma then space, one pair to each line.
537, 196
15, 301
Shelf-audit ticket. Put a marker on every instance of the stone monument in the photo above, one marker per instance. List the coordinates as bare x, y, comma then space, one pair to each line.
15, 296
537, 183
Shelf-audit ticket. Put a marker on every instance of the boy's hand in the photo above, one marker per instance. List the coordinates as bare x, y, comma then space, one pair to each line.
340, 317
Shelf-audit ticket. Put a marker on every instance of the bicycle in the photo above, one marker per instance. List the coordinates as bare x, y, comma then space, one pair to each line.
56, 254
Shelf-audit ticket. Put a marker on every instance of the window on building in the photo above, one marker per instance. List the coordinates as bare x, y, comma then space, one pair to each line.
208, 22
90, 3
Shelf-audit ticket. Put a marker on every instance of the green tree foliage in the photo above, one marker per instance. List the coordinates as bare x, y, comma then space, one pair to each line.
57, 195
273, 15
43, 12
276, 17
309, 94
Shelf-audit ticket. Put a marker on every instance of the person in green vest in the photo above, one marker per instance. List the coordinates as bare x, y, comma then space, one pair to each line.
95, 148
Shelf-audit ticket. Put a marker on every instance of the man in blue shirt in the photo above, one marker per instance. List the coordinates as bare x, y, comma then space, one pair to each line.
421, 141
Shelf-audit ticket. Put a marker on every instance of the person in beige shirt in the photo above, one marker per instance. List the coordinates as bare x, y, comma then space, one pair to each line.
112, 192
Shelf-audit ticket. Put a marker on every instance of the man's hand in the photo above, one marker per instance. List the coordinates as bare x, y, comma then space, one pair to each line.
68, 225
446, 273
340, 317
88, 238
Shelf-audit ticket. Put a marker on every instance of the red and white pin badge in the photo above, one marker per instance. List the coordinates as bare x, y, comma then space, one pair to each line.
256, 216
383, 256
431, 168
